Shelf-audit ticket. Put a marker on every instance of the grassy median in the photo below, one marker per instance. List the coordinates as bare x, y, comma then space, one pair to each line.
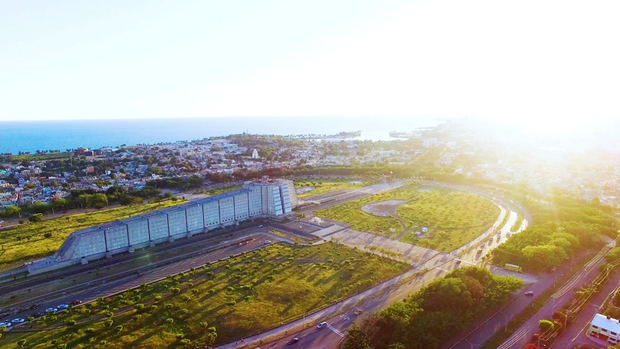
453, 218
221, 302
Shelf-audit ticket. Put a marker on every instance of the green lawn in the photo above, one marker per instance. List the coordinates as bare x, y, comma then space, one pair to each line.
220, 190
27, 241
321, 187
453, 218
238, 297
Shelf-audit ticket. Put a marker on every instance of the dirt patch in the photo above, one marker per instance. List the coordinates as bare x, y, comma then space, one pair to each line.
383, 208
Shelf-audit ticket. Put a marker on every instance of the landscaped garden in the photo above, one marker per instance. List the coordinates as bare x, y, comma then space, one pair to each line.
218, 303
452, 218
35, 240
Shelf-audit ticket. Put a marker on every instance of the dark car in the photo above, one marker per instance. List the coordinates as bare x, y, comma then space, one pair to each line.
76, 302
293, 340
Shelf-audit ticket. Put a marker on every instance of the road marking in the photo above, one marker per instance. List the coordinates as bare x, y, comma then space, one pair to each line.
335, 330
514, 339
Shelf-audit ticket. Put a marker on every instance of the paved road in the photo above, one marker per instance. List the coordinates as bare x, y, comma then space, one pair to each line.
522, 335
575, 334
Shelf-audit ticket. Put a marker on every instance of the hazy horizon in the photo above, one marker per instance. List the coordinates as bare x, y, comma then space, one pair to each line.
546, 62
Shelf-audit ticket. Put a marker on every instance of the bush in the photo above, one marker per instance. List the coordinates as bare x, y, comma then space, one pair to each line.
37, 217
71, 323
545, 325
108, 323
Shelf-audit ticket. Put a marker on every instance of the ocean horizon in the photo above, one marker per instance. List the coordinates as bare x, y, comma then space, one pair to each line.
30, 136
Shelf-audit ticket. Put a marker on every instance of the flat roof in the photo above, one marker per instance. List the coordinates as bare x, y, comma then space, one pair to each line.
161, 211
608, 323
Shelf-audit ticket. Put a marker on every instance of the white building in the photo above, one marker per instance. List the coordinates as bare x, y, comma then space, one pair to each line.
605, 328
254, 200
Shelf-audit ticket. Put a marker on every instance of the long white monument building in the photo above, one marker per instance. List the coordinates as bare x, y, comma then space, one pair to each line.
273, 198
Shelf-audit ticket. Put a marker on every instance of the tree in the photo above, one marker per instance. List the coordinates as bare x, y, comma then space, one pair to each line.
58, 204
544, 256
545, 325
21, 343
39, 207
12, 211
356, 339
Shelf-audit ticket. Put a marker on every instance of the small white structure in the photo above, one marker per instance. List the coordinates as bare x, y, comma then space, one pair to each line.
255, 154
605, 328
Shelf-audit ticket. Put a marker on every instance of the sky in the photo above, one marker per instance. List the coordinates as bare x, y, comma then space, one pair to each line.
548, 63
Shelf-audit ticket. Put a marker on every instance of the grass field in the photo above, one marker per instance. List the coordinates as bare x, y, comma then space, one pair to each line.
234, 298
28, 241
220, 190
321, 187
453, 218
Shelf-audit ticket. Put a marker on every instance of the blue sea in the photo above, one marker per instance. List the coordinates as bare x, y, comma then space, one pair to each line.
30, 136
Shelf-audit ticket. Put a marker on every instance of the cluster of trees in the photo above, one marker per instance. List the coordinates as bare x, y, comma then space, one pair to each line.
178, 183
563, 225
86, 199
428, 318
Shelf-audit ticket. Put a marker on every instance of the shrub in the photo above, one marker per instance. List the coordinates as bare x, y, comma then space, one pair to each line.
89, 330
169, 321
108, 323
71, 323
545, 325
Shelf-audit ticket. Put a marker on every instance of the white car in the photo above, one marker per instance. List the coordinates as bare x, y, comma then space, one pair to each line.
62, 306
321, 325
51, 310
5, 324
17, 321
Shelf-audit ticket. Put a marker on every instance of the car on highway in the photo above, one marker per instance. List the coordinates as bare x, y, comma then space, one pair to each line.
51, 310
18, 320
293, 340
62, 306
358, 311
76, 302
37, 314
321, 325
529, 293
5, 324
